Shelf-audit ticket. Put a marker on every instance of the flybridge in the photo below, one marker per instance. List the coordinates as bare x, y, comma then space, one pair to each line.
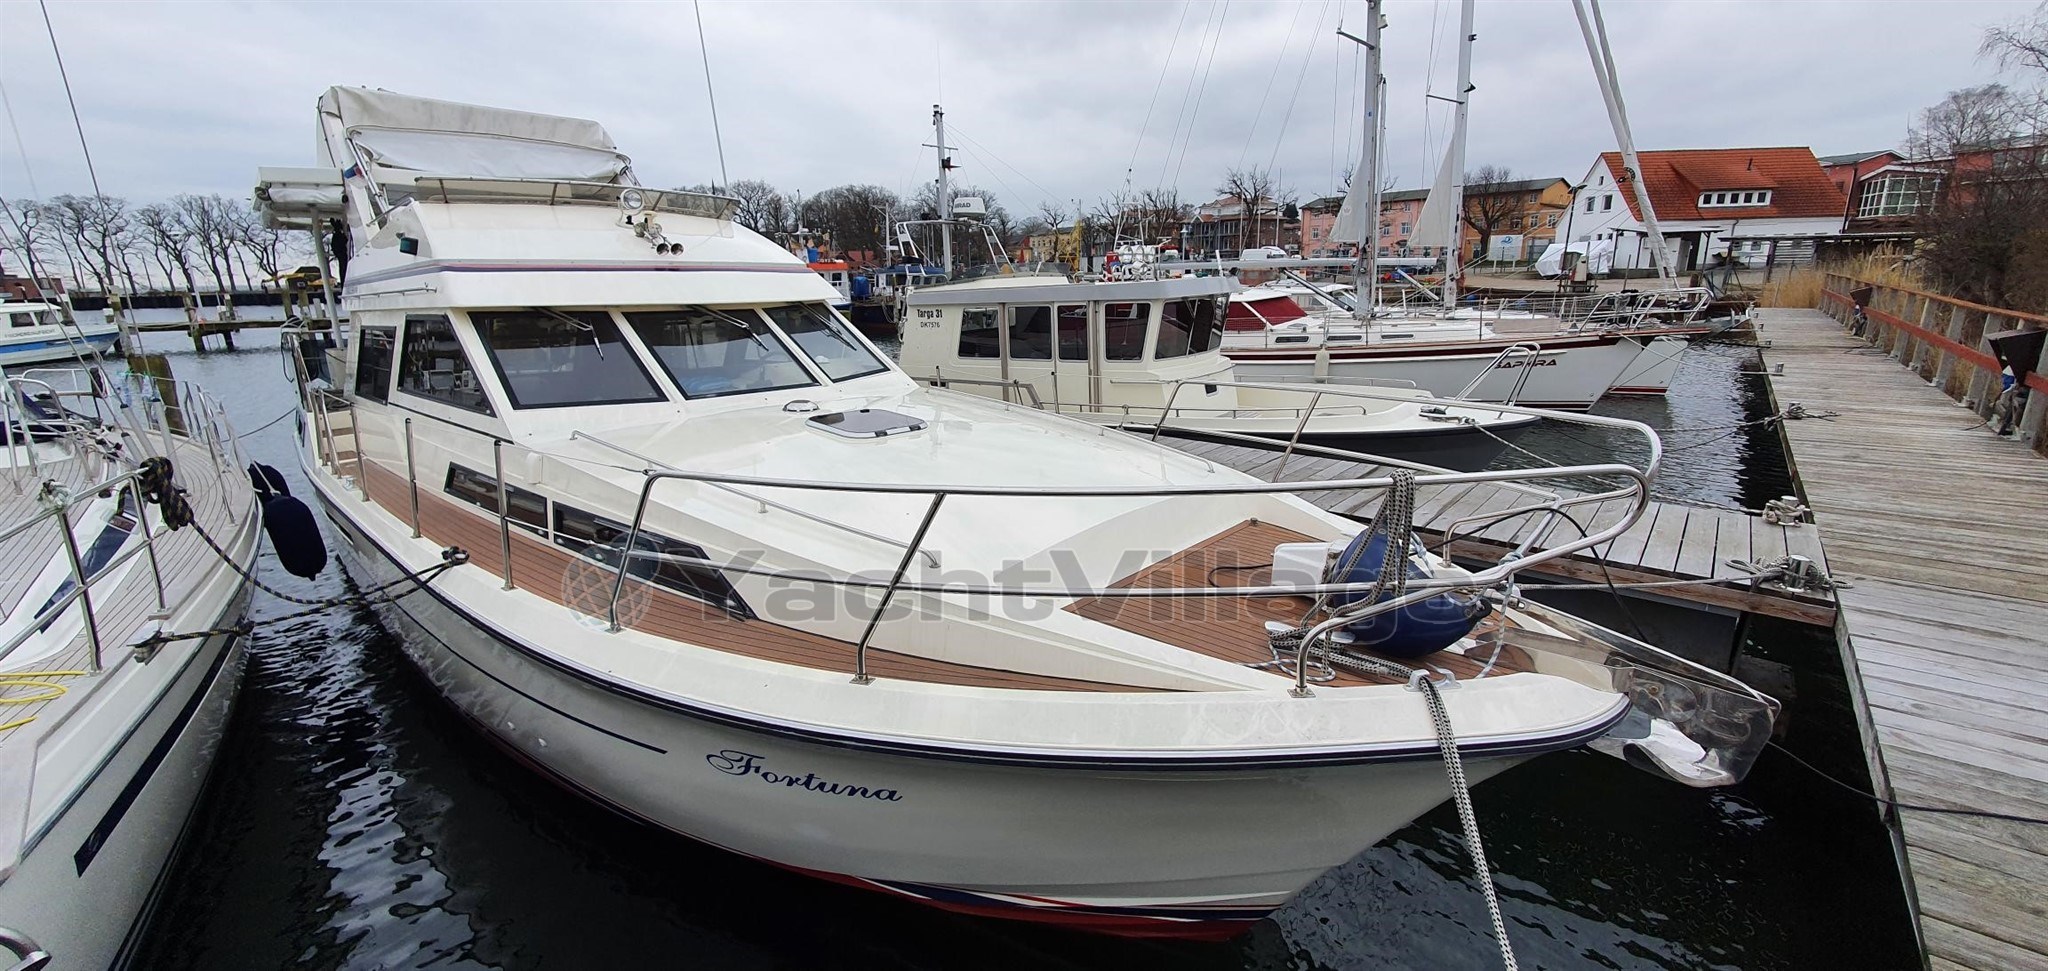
379, 150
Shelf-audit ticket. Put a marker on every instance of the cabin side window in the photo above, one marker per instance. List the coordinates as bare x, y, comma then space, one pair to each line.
435, 367
22, 320
1071, 323
601, 539
820, 335
981, 332
555, 358
1187, 327
528, 510
375, 347
1123, 331
709, 353
1030, 333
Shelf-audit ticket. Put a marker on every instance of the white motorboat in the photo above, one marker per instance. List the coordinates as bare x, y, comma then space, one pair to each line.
1147, 354
1462, 352
120, 648
733, 573
37, 332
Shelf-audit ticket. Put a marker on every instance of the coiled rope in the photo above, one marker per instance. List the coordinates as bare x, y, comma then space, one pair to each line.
50, 690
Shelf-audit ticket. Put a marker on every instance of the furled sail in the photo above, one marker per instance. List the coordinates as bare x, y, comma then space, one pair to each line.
1438, 224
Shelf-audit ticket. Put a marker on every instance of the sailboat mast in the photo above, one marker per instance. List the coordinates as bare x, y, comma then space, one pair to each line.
1595, 32
1454, 257
945, 197
1365, 291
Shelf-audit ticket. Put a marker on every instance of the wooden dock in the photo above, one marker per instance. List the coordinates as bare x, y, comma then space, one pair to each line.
1672, 541
1938, 524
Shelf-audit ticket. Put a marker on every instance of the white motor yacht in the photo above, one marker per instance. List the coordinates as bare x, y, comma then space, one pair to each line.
37, 332
120, 648
1147, 353
735, 574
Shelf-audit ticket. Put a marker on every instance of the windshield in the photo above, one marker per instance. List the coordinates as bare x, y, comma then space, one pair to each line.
713, 352
820, 335
556, 358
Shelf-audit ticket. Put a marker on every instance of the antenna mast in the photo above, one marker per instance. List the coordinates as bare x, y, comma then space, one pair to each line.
945, 197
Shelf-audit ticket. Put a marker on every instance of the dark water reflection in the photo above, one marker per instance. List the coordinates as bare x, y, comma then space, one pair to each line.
356, 822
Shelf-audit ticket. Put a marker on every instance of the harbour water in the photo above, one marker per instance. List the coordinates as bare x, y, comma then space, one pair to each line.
354, 821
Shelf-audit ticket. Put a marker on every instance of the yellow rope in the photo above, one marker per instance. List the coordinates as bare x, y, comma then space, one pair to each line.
34, 679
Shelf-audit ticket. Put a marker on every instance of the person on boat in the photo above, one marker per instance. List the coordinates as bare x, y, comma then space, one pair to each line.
337, 242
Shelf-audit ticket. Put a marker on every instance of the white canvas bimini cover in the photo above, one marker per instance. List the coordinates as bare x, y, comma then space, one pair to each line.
425, 136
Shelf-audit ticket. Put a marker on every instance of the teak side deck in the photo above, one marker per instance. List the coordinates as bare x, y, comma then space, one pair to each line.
1939, 525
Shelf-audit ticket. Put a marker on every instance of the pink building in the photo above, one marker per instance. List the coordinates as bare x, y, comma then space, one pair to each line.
1399, 212
1317, 219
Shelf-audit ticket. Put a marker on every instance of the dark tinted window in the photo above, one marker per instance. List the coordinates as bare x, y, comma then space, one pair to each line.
374, 350
601, 539
1072, 323
712, 352
435, 367
980, 333
819, 334
1188, 327
559, 358
1123, 330
1030, 333
529, 509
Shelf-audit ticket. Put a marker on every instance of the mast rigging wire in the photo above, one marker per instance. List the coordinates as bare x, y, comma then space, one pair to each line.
1171, 46
1271, 76
75, 123
1307, 57
717, 138
20, 147
1196, 111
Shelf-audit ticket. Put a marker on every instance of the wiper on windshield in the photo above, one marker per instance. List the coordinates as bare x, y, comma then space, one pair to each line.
582, 325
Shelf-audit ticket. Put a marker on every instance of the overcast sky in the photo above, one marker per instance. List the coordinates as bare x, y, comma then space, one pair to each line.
1047, 100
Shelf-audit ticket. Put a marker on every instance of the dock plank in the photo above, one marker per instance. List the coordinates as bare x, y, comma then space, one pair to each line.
1937, 522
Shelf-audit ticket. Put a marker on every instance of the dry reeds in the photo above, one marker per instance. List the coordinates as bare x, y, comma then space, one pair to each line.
1885, 266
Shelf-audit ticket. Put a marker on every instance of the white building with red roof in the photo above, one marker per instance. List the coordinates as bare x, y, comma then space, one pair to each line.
1708, 200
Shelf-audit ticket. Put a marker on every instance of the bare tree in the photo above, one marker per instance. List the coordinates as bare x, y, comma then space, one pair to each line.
2022, 43
1257, 194
205, 226
26, 222
1969, 118
1491, 203
94, 227
160, 225
761, 206
851, 216
1984, 234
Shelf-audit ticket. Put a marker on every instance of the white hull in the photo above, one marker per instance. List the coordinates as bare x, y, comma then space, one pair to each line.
1569, 378
45, 345
1654, 368
84, 890
1105, 848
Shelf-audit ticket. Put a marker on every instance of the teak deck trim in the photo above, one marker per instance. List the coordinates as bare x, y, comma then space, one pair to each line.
539, 567
1233, 628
